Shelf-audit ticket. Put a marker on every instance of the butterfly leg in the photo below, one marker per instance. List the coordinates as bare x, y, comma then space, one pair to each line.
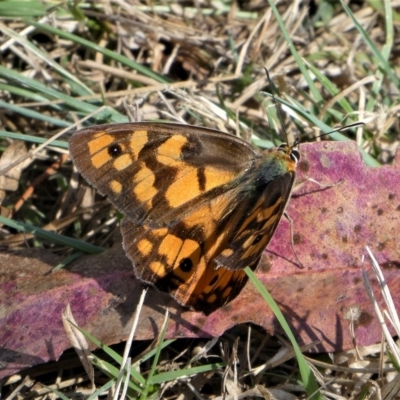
291, 223
300, 182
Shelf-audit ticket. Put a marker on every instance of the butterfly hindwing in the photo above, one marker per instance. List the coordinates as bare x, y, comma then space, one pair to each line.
257, 225
179, 260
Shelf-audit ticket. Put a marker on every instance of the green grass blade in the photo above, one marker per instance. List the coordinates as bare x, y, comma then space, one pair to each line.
173, 375
101, 390
331, 88
33, 139
112, 372
111, 353
309, 381
27, 94
52, 94
21, 9
76, 86
51, 236
60, 395
297, 107
383, 64
316, 94
27, 112
149, 382
111, 54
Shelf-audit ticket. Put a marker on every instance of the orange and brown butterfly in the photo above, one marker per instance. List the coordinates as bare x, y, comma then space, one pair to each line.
199, 205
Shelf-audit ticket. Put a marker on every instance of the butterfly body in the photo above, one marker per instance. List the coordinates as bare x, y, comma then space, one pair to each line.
199, 205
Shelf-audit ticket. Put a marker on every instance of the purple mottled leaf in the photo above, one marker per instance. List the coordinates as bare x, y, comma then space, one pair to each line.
316, 284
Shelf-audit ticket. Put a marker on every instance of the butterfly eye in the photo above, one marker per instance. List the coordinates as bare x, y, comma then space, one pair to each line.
283, 147
295, 155
186, 264
292, 151
115, 150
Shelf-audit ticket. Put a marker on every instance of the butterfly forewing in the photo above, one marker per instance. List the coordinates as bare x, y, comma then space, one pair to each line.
155, 173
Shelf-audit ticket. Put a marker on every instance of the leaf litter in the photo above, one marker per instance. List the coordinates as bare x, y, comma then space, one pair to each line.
211, 55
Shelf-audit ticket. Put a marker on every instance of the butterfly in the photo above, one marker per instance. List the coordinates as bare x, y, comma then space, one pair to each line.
199, 205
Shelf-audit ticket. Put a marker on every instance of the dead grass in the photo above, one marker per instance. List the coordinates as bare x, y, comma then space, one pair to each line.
201, 63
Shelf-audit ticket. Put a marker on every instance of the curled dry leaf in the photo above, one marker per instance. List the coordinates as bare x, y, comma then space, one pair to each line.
13, 152
79, 342
332, 226
9, 181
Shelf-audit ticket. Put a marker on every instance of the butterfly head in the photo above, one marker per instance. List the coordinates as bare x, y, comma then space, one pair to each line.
292, 152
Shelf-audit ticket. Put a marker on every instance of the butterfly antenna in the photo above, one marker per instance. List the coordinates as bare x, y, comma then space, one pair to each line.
342, 128
297, 140
278, 109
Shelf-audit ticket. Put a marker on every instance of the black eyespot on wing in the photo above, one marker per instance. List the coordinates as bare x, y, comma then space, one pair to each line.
114, 150
186, 264
257, 239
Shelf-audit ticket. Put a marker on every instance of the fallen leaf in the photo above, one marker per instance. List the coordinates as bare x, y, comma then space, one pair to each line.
332, 226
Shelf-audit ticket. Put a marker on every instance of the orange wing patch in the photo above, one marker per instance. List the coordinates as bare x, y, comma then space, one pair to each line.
185, 178
137, 141
143, 182
171, 149
116, 186
145, 247
214, 177
98, 149
122, 162
100, 141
